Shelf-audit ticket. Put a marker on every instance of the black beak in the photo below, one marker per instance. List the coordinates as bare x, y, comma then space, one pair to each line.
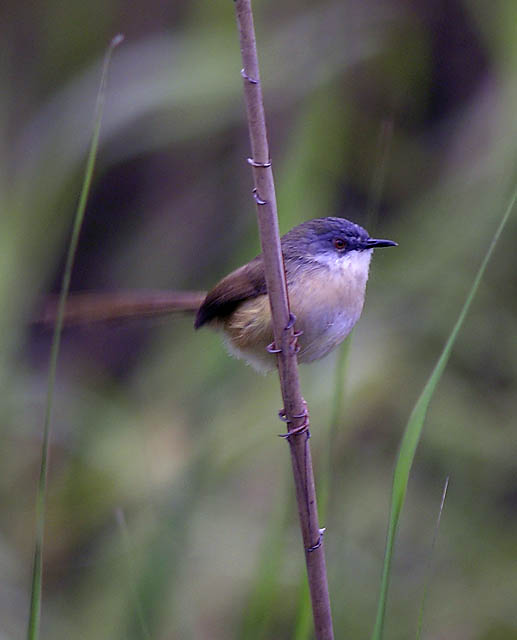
371, 243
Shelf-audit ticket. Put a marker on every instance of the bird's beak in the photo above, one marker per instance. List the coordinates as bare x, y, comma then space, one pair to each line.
372, 243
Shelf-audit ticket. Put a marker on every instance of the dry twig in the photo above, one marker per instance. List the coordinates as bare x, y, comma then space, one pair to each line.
294, 405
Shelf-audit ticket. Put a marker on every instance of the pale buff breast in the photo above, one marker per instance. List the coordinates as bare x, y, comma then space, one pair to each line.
330, 303
327, 301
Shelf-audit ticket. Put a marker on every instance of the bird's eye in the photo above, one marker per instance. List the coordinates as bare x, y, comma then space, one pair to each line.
339, 244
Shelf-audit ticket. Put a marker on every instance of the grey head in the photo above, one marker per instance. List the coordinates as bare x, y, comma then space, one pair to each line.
328, 236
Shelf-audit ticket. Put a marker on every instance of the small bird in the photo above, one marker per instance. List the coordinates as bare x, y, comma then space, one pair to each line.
326, 264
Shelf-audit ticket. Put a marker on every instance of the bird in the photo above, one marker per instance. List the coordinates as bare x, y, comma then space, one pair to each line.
326, 263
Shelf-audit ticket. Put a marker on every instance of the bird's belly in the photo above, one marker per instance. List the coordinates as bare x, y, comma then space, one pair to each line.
322, 335
326, 310
248, 331
323, 330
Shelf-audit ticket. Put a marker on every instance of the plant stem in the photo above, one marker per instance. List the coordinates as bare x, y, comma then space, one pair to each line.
294, 404
41, 492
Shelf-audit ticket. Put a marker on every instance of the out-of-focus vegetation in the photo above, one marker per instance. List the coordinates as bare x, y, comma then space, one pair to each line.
155, 426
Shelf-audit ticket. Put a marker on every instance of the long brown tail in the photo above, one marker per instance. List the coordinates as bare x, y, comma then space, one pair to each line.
88, 307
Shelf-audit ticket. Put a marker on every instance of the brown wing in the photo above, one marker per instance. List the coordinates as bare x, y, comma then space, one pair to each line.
243, 283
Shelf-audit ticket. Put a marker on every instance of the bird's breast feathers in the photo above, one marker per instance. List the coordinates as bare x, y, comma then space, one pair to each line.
329, 303
327, 300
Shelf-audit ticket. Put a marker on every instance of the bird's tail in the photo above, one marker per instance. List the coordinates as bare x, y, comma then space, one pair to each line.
88, 307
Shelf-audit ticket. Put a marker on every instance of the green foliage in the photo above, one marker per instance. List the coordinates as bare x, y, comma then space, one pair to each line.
413, 431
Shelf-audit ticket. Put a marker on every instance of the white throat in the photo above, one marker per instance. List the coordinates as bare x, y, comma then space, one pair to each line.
354, 264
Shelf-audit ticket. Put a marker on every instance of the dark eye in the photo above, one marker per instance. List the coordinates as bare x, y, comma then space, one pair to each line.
339, 244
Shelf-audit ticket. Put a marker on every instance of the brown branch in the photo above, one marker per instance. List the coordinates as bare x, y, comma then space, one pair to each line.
294, 405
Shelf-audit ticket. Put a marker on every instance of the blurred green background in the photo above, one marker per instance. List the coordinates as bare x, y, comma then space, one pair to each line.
170, 511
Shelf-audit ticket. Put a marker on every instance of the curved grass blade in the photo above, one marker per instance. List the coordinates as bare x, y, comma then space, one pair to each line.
302, 629
259, 614
303, 626
35, 601
433, 547
126, 542
414, 429
336, 420
379, 175
303, 620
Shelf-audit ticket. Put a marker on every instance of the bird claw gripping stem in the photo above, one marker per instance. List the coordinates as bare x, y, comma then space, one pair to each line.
297, 431
294, 347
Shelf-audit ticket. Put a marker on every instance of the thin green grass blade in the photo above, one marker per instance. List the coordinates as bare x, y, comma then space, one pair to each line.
304, 625
431, 555
379, 174
414, 429
258, 619
126, 541
338, 411
35, 601
303, 628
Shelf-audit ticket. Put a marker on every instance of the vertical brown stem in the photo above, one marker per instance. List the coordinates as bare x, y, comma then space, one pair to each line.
294, 404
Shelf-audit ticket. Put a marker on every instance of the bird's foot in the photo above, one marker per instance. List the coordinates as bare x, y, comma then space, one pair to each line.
302, 428
294, 347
